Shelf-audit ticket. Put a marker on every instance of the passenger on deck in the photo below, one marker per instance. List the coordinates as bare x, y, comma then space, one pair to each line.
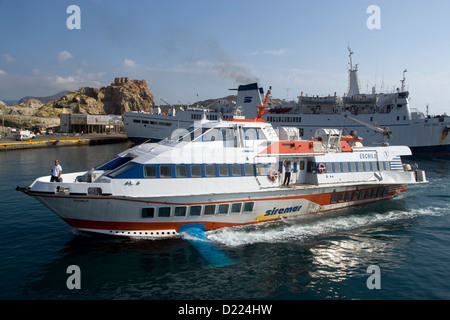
414, 168
56, 172
287, 173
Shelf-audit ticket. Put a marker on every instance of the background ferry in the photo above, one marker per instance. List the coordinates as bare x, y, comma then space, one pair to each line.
407, 126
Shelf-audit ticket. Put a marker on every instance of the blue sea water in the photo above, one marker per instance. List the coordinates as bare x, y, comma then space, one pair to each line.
324, 256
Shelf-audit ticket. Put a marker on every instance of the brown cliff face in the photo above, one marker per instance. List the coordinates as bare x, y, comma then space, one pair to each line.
122, 95
126, 95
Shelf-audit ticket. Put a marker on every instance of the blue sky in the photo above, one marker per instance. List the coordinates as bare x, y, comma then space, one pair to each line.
189, 47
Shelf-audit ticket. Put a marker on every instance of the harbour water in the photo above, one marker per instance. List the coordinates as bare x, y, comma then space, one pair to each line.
324, 256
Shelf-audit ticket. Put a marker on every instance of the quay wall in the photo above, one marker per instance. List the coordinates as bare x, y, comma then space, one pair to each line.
63, 142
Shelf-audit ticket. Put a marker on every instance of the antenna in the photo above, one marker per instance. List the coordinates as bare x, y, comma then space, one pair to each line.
287, 93
403, 80
350, 52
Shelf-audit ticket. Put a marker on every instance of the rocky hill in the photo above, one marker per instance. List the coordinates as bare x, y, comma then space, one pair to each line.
44, 99
122, 95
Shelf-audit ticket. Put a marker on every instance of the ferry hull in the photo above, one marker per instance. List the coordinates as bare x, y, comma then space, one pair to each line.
140, 217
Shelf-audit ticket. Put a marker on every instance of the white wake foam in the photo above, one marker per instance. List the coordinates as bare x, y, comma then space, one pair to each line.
305, 228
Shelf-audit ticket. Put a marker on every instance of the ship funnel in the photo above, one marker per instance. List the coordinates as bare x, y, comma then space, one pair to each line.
249, 97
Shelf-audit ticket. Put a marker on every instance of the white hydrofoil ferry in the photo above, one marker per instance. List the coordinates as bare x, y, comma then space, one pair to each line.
225, 173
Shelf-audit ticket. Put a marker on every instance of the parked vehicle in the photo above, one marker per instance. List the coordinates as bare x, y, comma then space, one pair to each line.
21, 135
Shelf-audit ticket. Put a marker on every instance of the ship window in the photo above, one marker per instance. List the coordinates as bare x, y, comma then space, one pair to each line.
337, 167
212, 135
95, 191
223, 170
145, 121
385, 191
195, 210
355, 195
362, 194
223, 208
181, 170
380, 192
150, 171
210, 209
329, 166
210, 170
148, 212
349, 196
352, 167
180, 212
260, 169
122, 169
249, 133
248, 206
374, 193
374, 166
165, 171
344, 166
368, 193
228, 134
342, 197
164, 212
196, 170
136, 121
249, 169
302, 165
236, 207
334, 197
358, 166
260, 134
236, 170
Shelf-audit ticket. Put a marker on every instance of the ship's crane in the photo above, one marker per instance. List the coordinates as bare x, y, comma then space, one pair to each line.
385, 132
166, 102
171, 108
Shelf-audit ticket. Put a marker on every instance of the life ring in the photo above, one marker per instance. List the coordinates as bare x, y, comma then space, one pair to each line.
321, 168
273, 175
